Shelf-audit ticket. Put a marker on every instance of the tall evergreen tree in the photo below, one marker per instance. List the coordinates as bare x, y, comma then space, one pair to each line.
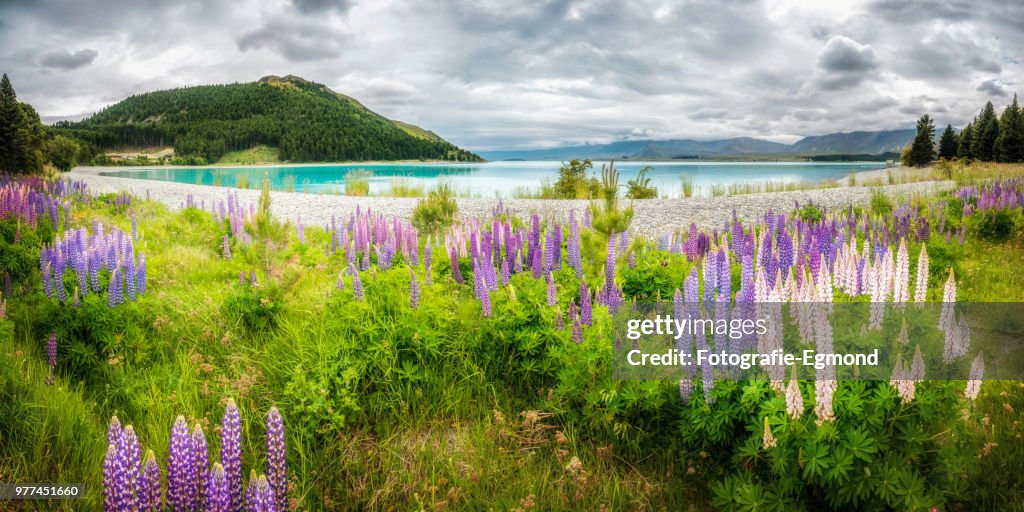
966, 140
1010, 143
986, 133
922, 149
948, 143
11, 120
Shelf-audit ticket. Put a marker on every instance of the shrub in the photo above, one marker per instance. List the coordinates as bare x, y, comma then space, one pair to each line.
995, 225
609, 218
810, 212
640, 187
255, 308
573, 181
437, 211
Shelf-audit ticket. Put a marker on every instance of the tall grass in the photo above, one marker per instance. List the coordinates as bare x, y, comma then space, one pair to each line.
404, 187
687, 185
546, 190
357, 182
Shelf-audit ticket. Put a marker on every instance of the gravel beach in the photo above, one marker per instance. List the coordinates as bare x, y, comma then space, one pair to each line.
652, 217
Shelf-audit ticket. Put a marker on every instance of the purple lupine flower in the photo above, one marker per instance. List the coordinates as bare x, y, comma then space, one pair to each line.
113, 288
276, 461
51, 350
200, 463
129, 277
147, 487
505, 274
559, 322
301, 231
453, 256
216, 494
724, 275
485, 302
47, 279
226, 250
181, 467
241, 278
577, 331
552, 295
586, 305
252, 278
537, 265
414, 291
259, 496
231, 453
357, 284
113, 477
632, 260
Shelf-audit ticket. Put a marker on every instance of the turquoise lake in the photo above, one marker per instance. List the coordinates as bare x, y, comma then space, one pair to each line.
502, 179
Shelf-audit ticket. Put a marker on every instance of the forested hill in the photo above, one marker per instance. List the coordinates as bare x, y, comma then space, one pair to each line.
306, 121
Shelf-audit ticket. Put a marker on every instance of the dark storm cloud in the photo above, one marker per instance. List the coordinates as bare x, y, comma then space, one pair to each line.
63, 59
490, 73
992, 87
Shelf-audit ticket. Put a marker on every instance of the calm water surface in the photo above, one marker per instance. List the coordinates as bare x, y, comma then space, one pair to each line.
503, 179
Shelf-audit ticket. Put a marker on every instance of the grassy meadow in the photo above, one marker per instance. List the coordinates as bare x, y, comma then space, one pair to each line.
435, 400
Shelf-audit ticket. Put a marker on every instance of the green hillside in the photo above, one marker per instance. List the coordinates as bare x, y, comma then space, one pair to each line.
305, 121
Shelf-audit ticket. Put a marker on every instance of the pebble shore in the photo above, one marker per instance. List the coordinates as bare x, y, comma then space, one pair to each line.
652, 216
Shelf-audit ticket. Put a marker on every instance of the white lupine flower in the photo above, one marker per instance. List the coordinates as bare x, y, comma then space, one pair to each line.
768, 440
794, 400
974, 385
901, 274
921, 285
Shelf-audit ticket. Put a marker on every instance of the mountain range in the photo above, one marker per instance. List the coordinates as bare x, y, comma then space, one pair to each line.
858, 143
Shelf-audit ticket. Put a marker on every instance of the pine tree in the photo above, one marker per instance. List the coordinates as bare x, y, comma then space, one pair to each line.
948, 143
922, 149
1010, 143
966, 140
985, 135
11, 120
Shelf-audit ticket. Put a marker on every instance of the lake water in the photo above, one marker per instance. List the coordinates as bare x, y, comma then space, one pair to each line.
504, 179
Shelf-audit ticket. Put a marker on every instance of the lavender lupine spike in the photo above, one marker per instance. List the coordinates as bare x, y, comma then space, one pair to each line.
180, 467
577, 330
300, 230
226, 249
113, 287
357, 283
216, 496
552, 295
231, 453
277, 473
414, 291
453, 256
485, 301
112, 477
200, 463
506, 275
538, 263
586, 305
147, 487
51, 350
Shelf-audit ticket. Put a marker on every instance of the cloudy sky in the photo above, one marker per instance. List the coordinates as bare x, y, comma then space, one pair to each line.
489, 75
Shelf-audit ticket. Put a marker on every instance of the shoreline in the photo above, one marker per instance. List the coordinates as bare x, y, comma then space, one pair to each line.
652, 217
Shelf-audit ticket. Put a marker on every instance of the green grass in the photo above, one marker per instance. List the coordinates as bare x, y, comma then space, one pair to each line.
447, 411
255, 155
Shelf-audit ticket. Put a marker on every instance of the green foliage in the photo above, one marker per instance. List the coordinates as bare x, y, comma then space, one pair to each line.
574, 181
640, 187
922, 149
259, 154
254, 308
995, 225
357, 182
1009, 145
986, 131
878, 453
880, 203
810, 212
21, 133
608, 218
63, 152
21, 259
437, 211
306, 121
263, 219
